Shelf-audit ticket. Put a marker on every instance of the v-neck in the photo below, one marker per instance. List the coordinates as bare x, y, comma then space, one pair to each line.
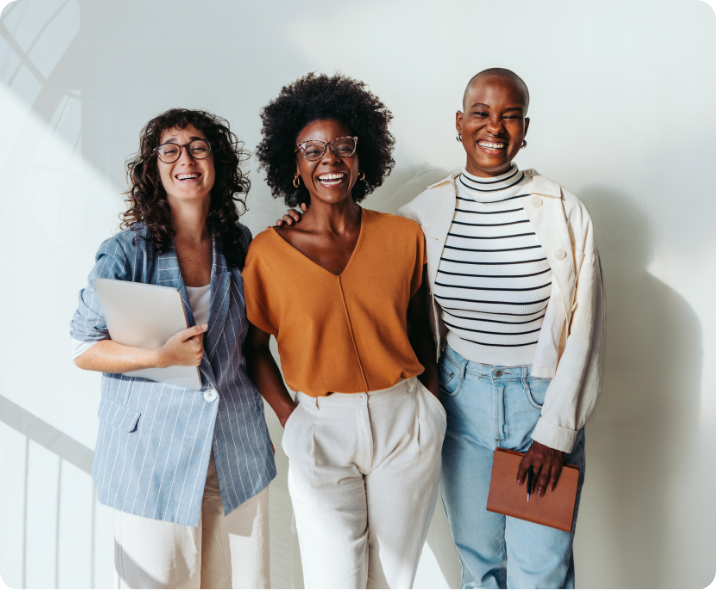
323, 268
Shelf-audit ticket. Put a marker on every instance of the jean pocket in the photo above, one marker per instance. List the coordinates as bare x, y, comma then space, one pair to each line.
536, 390
449, 378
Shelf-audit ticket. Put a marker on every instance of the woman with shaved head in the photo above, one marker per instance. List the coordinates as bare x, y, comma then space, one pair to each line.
518, 316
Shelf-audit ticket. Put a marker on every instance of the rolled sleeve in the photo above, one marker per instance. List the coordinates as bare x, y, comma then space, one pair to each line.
88, 323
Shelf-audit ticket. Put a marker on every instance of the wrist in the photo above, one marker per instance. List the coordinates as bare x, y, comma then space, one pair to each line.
155, 359
286, 413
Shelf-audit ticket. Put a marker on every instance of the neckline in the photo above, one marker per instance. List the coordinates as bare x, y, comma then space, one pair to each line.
314, 263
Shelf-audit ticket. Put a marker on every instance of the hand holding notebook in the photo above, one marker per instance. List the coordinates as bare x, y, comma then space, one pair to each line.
555, 508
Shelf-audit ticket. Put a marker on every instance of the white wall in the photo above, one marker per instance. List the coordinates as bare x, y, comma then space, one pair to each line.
622, 114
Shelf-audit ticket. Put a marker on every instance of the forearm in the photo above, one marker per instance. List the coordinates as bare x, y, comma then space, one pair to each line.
424, 347
108, 356
264, 371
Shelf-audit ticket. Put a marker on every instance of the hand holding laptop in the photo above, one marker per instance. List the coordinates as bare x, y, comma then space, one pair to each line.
185, 348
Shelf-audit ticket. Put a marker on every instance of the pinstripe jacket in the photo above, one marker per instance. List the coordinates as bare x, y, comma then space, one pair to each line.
154, 441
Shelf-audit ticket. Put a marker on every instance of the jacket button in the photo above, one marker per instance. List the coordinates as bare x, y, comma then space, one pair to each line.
210, 395
560, 254
536, 202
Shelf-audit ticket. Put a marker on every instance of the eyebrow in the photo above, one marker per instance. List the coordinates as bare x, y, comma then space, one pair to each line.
482, 104
174, 139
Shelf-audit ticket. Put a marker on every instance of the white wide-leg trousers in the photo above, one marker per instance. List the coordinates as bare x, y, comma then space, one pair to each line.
363, 477
221, 552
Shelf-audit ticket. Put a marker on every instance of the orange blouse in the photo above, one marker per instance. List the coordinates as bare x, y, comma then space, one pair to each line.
346, 332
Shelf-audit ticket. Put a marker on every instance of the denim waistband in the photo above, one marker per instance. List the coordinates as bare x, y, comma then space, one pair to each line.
494, 372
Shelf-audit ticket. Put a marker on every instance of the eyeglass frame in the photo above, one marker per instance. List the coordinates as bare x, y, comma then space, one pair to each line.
185, 146
301, 147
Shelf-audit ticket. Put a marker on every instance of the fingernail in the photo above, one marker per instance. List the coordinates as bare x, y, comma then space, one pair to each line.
541, 492
519, 482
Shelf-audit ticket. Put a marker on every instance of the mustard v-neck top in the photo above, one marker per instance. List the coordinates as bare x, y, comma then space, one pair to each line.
339, 333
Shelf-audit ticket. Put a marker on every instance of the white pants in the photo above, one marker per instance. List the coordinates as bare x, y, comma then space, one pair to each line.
363, 477
221, 552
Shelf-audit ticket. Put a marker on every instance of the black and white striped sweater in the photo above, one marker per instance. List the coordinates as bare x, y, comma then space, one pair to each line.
494, 281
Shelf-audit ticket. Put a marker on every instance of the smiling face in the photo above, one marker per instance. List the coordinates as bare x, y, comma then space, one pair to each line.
187, 180
331, 178
493, 125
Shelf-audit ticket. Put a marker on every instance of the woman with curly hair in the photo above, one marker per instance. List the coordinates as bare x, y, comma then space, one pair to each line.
186, 470
364, 435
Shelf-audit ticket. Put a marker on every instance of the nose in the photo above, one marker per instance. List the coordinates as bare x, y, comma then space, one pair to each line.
184, 155
327, 158
495, 126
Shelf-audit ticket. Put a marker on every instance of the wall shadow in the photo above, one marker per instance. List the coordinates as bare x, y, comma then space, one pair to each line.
644, 432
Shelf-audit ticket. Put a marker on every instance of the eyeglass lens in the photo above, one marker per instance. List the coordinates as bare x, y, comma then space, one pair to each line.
343, 147
197, 149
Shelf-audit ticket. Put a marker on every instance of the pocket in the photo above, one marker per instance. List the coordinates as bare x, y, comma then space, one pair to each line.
536, 390
432, 400
288, 429
120, 416
449, 378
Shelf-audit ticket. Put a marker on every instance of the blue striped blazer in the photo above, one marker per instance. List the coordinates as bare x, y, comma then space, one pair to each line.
154, 441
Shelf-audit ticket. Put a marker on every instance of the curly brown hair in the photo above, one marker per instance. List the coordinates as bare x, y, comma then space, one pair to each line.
147, 198
317, 96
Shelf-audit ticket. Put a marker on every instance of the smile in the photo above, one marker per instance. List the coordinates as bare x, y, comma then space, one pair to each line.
329, 180
185, 176
489, 145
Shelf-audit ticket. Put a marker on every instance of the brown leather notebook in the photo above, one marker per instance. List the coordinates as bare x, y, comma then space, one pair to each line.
555, 509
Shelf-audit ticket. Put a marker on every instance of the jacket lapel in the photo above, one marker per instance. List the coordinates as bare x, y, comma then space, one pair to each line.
545, 212
219, 306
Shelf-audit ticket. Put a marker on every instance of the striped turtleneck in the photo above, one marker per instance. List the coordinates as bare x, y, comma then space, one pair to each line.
494, 281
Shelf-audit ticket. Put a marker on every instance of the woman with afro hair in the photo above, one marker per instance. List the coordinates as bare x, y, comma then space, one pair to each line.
344, 294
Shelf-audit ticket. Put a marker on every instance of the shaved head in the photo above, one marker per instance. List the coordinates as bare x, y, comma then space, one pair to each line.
502, 73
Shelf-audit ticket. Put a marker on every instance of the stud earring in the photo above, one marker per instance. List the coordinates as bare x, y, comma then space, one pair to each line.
296, 181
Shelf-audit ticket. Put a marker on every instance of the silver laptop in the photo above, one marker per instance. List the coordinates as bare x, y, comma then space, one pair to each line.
146, 316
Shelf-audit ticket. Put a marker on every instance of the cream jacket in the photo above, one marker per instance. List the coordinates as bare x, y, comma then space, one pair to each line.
570, 348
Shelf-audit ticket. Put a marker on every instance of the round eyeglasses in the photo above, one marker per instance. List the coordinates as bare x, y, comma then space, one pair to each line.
313, 149
171, 152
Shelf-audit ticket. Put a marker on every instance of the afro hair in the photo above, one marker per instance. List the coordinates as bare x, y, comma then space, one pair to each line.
317, 96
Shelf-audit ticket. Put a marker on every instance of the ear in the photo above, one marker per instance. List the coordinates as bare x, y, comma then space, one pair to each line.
527, 125
458, 121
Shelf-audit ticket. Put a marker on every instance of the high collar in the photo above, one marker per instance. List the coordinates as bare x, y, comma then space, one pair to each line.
490, 189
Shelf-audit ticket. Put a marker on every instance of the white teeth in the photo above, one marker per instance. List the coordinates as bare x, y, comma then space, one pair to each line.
330, 177
187, 176
490, 145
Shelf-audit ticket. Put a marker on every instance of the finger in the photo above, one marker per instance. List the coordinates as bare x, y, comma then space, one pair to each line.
189, 333
542, 480
554, 476
293, 214
279, 223
304, 207
522, 469
288, 220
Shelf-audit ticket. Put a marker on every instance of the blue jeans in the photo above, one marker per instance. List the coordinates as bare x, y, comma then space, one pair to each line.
487, 407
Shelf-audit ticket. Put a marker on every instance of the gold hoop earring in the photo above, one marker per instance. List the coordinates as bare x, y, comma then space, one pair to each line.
458, 138
296, 181
524, 144
362, 176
